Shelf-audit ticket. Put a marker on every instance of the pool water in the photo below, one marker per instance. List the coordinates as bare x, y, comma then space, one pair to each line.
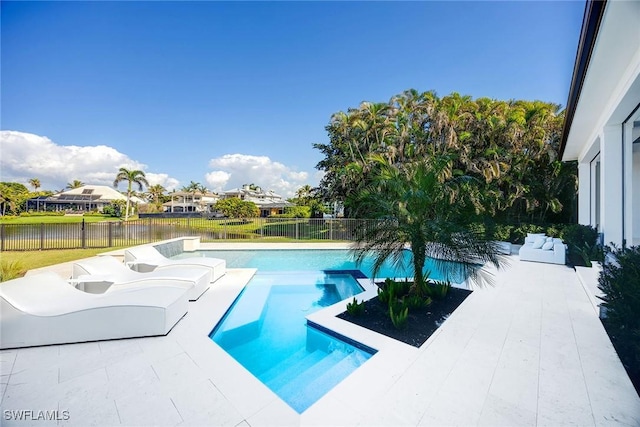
317, 259
265, 330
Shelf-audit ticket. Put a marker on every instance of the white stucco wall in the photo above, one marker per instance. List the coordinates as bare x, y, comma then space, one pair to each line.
636, 197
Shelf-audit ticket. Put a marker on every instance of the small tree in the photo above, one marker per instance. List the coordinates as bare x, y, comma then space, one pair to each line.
428, 207
236, 208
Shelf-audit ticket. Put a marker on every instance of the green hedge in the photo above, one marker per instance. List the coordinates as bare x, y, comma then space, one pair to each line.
620, 283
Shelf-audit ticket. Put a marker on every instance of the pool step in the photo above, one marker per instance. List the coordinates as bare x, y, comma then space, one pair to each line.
288, 370
318, 379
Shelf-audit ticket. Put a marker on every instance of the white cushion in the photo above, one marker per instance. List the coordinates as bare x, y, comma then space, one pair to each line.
549, 239
531, 237
547, 246
537, 244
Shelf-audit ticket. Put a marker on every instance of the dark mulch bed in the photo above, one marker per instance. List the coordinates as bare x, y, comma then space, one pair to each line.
420, 324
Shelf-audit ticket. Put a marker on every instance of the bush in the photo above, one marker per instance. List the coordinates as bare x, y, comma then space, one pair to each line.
355, 308
520, 232
620, 283
415, 302
10, 270
583, 244
399, 315
438, 290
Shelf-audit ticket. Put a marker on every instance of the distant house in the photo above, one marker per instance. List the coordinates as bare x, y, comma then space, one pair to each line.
83, 199
268, 202
602, 122
182, 201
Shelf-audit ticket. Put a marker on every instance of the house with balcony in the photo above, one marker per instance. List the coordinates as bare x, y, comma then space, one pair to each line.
187, 202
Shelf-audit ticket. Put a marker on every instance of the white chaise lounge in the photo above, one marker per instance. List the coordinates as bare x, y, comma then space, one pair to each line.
99, 273
45, 309
147, 258
540, 248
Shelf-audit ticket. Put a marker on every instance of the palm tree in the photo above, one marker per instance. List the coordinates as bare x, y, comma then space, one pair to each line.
426, 205
76, 183
131, 176
155, 192
35, 183
304, 193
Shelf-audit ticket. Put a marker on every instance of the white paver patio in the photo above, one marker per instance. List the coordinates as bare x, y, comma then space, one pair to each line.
528, 351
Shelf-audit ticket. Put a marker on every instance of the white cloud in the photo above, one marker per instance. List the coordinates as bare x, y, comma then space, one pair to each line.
218, 179
162, 179
234, 170
25, 156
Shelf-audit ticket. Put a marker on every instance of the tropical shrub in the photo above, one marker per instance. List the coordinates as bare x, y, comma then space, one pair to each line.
399, 315
438, 290
114, 209
233, 207
414, 302
385, 294
583, 244
355, 308
519, 232
620, 283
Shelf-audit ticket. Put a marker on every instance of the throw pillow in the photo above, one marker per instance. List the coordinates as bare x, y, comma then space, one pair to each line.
531, 237
549, 239
539, 242
547, 246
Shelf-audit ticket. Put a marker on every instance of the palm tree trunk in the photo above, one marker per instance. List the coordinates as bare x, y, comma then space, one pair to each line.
126, 211
418, 250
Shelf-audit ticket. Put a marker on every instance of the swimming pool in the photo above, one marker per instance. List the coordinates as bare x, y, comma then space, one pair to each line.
266, 331
314, 260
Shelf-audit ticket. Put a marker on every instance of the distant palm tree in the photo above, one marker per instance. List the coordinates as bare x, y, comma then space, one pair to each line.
131, 176
35, 183
304, 192
155, 192
75, 184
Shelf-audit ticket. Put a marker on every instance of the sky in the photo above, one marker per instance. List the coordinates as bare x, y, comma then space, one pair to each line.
233, 93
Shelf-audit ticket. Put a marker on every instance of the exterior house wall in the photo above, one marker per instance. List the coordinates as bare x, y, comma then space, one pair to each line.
604, 104
636, 199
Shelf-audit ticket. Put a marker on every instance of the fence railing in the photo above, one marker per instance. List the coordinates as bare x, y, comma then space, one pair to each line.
24, 237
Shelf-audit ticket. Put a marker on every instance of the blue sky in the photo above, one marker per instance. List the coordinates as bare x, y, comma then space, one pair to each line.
226, 93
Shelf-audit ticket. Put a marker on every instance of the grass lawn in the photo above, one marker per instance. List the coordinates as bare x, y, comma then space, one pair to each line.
21, 261
55, 219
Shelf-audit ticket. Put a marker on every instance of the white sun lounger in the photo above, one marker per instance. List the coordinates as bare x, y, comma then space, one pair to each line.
147, 258
100, 273
45, 309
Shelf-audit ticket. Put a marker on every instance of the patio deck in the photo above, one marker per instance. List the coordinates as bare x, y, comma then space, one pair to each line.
528, 351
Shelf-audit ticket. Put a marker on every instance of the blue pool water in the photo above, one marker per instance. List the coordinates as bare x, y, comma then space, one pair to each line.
265, 330
315, 259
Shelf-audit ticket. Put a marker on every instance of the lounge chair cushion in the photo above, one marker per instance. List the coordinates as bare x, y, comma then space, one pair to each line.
44, 309
147, 258
109, 269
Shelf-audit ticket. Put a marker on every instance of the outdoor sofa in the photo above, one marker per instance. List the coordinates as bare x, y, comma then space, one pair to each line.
147, 258
540, 248
44, 309
99, 273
